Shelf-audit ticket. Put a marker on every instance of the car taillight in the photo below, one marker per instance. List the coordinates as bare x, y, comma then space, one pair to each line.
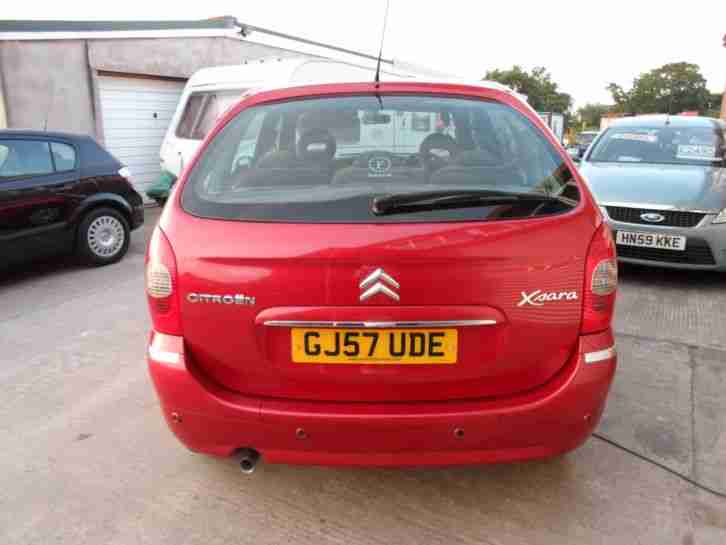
601, 282
161, 285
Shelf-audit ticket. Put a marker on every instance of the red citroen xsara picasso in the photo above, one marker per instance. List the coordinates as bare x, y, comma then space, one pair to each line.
394, 274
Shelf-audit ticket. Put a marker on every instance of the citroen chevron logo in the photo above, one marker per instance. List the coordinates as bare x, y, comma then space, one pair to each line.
379, 281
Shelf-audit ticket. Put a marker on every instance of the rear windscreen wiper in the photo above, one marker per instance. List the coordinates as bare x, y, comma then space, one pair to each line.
422, 201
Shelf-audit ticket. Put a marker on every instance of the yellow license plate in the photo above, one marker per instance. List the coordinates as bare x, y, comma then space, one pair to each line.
374, 346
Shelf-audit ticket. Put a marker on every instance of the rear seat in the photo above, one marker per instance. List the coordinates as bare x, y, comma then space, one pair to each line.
360, 172
478, 167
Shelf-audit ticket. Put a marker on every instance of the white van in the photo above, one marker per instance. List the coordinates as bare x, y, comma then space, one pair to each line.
211, 91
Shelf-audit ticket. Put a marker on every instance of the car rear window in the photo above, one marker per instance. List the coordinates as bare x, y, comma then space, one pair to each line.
661, 145
64, 156
325, 159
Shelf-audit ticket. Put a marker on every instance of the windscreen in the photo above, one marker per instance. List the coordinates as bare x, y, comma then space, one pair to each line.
326, 159
661, 145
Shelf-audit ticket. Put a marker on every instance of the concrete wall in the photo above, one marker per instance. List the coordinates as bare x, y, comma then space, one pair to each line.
58, 78
174, 57
47, 79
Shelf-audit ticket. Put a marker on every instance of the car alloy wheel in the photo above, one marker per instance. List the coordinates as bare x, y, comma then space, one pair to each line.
105, 236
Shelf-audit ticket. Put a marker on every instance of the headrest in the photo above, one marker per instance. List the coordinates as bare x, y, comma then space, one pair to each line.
317, 145
441, 145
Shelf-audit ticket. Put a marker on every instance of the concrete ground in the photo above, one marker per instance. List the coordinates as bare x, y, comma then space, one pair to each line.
86, 457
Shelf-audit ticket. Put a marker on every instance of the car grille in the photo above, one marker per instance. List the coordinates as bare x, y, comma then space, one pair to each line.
697, 252
673, 218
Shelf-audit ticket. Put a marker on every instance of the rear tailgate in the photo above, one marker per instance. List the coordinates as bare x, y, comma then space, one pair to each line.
525, 275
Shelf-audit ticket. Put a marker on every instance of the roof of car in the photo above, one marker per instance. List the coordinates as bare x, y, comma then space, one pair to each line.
661, 120
31, 133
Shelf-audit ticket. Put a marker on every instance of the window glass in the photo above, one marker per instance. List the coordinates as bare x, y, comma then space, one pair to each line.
325, 159
25, 158
248, 140
660, 145
585, 138
189, 117
203, 110
3, 154
64, 156
420, 122
213, 107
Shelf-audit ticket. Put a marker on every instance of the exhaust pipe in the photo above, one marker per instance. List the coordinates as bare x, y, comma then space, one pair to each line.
248, 459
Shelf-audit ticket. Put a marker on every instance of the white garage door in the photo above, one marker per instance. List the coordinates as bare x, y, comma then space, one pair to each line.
136, 113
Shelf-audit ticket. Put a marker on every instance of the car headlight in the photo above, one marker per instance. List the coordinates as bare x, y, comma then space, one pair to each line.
720, 217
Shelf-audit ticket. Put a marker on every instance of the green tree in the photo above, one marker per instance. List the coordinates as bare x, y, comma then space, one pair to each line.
672, 88
714, 105
542, 93
589, 115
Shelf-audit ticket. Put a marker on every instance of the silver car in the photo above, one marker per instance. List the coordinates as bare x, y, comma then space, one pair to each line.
661, 183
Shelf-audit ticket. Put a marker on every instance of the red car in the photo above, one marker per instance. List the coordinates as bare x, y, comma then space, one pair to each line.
338, 279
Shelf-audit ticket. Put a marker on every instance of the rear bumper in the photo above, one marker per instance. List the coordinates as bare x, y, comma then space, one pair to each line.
552, 419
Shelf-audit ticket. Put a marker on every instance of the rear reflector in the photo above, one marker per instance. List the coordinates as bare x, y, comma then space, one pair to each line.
163, 356
166, 349
600, 355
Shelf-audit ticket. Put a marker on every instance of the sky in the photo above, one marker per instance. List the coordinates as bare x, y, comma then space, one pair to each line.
585, 45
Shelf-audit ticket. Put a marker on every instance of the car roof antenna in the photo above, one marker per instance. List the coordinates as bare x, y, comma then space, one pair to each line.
377, 79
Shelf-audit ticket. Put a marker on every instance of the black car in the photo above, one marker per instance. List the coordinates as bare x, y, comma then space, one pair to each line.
62, 193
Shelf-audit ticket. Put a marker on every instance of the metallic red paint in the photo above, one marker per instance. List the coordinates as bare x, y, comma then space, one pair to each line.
520, 389
549, 420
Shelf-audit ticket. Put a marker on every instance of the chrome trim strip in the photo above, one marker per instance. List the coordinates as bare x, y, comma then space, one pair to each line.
412, 324
666, 207
163, 356
600, 355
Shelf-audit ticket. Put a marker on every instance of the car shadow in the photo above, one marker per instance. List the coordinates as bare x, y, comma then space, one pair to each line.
670, 278
517, 495
18, 273
64, 265
546, 477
